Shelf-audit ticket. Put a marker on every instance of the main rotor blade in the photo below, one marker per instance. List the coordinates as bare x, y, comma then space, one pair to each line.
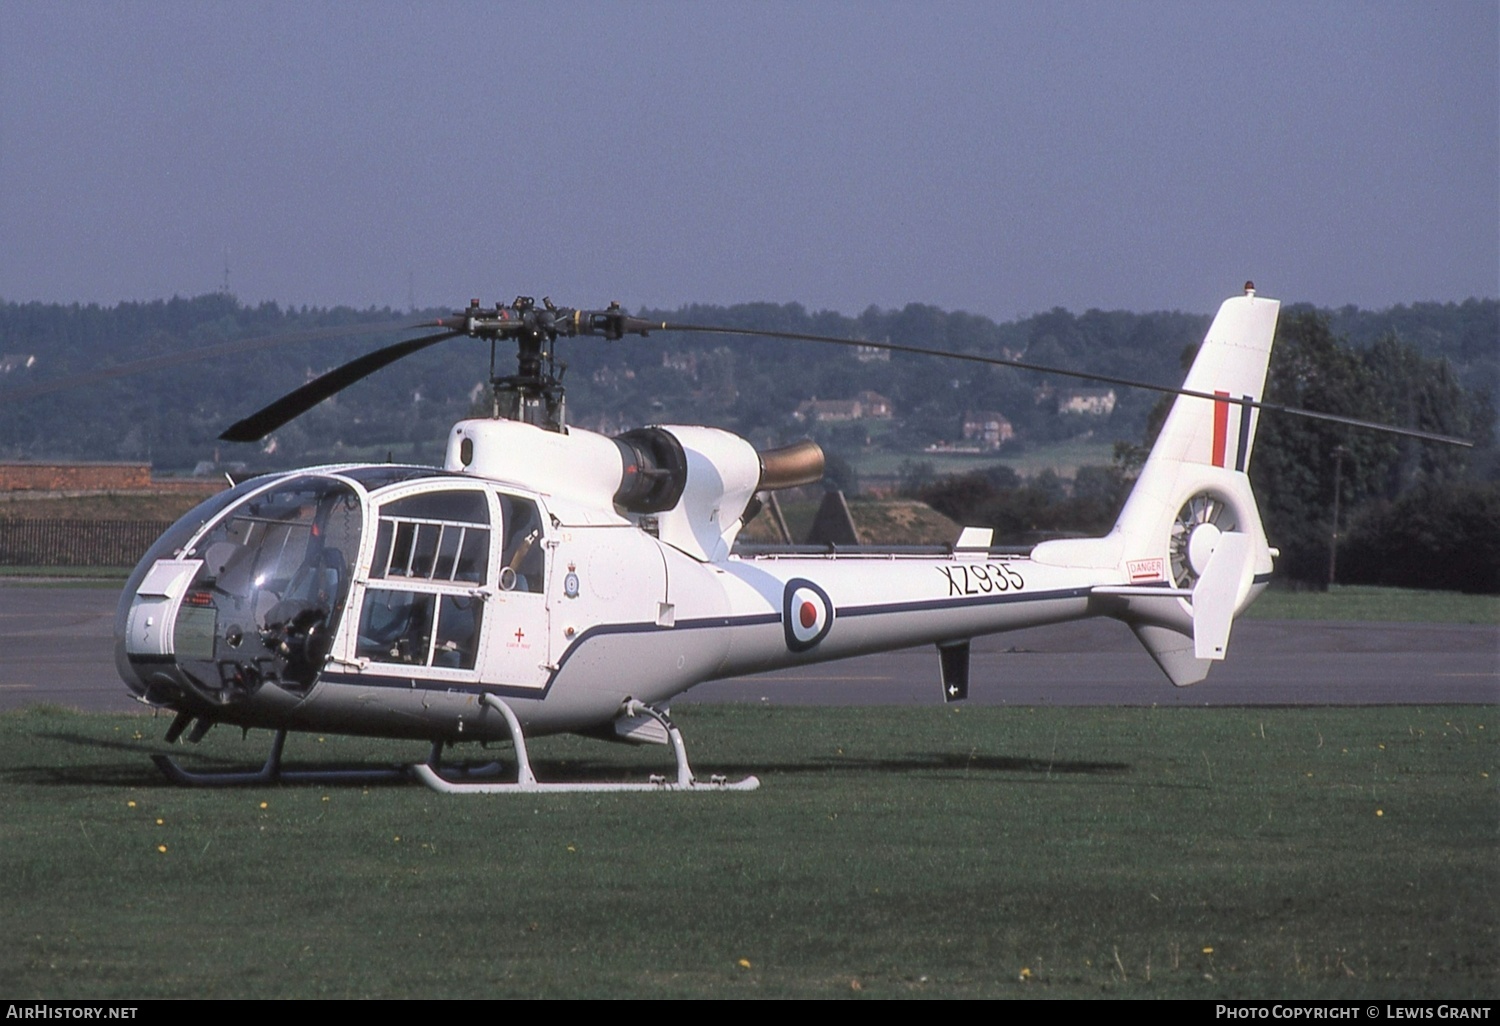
152, 363
292, 405
995, 361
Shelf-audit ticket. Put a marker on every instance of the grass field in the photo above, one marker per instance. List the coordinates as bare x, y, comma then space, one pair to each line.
1376, 605
920, 852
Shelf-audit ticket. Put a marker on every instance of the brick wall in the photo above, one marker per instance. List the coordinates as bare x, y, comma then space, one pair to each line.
74, 477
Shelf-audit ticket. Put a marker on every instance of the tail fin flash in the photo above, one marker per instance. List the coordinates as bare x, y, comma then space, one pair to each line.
1189, 547
1231, 364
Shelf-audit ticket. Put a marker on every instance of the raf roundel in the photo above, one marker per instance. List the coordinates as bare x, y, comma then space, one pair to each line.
806, 614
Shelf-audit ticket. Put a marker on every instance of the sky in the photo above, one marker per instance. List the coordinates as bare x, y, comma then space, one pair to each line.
1002, 158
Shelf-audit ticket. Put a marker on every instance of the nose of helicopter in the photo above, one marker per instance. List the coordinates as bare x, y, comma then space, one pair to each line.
241, 595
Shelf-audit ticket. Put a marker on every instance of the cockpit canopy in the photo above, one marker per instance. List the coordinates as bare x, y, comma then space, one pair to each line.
252, 586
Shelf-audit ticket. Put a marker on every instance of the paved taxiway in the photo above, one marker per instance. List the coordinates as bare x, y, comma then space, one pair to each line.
57, 646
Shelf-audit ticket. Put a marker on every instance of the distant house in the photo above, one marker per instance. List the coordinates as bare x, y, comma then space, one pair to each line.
988, 428
1092, 402
677, 360
868, 406
876, 406
612, 376
822, 411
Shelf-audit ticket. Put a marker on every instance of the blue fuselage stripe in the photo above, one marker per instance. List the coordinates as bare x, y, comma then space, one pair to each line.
409, 682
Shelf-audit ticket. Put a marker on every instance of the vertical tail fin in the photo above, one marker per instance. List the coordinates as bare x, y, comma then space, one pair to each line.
1193, 497
1231, 363
1191, 494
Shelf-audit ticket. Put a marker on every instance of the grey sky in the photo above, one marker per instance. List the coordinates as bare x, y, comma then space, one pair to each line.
999, 158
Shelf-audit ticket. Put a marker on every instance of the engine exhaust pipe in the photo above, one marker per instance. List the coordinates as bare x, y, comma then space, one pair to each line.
800, 463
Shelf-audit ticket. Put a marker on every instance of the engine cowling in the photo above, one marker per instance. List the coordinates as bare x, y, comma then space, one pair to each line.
690, 485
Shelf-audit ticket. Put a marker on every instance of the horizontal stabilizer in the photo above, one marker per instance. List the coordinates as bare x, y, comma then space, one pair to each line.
1146, 591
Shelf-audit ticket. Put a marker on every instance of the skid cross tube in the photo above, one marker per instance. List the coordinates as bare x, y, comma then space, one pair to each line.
527, 783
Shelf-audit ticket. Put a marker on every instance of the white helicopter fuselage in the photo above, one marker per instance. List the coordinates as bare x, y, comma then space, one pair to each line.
390, 601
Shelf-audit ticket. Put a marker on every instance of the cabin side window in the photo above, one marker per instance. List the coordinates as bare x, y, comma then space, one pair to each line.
435, 536
398, 626
523, 564
430, 548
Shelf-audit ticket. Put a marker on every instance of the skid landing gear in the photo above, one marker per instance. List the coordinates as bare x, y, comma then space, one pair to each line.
527, 783
272, 773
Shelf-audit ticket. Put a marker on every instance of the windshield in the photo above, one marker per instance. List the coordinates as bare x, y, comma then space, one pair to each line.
170, 545
261, 592
275, 577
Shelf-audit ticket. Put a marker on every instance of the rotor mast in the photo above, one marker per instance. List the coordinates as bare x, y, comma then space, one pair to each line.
535, 394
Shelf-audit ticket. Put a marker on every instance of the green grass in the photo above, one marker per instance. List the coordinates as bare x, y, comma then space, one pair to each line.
916, 852
1372, 604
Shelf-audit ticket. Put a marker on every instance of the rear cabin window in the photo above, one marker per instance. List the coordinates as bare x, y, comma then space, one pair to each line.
522, 561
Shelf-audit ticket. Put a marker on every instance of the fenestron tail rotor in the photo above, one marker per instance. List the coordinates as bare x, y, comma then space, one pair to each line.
1195, 534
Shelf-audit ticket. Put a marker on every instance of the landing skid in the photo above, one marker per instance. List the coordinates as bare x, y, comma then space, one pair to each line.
429, 773
527, 783
272, 773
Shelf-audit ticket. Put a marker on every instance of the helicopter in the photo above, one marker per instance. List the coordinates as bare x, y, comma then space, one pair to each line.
548, 579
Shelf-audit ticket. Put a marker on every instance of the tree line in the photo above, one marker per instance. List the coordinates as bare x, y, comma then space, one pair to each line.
1410, 512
